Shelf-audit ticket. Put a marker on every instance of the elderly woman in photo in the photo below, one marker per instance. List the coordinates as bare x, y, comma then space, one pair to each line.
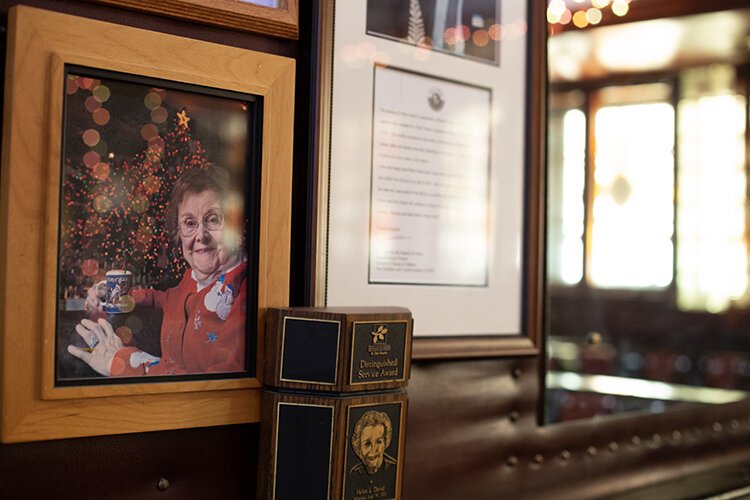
203, 325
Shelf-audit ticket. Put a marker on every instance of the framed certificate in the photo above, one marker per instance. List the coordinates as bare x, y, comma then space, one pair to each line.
430, 169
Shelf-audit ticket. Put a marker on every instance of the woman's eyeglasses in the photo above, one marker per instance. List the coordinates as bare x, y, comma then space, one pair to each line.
213, 221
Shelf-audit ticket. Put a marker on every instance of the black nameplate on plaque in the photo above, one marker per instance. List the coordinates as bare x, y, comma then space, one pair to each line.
378, 352
304, 442
310, 350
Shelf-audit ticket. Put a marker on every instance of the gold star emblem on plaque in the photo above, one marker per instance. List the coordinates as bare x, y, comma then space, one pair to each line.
184, 118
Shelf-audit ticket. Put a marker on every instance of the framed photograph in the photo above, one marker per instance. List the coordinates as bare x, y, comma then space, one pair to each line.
430, 187
268, 17
468, 28
136, 198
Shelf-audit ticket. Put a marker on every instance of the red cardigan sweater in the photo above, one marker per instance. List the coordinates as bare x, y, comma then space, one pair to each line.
201, 332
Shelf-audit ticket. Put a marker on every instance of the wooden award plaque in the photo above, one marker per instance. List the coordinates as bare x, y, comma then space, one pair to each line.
338, 349
327, 447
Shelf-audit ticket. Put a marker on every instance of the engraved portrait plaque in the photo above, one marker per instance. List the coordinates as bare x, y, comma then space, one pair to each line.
372, 462
378, 352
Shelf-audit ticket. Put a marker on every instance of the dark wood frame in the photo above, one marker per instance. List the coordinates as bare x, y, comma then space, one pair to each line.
281, 22
527, 344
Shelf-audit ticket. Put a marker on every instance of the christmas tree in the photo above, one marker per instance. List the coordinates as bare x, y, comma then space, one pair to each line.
114, 214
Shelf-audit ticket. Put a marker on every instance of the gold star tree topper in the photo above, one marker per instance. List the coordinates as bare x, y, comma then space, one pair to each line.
184, 118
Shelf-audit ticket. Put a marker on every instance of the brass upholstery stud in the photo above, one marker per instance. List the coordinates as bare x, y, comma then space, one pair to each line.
516, 372
613, 446
677, 435
565, 455
514, 416
717, 427
734, 424
635, 440
512, 461
591, 450
538, 459
163, 484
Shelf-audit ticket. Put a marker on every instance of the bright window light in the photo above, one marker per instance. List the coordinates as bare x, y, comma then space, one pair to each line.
712, 262
633, 196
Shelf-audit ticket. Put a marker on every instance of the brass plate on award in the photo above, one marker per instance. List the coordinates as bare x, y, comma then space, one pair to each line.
321, 446
378, 352
372, 463
307, 348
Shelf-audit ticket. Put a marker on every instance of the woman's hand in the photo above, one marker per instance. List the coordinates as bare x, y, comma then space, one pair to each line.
94, 295
103, 344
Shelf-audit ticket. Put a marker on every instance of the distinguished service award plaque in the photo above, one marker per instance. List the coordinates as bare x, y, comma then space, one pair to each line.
338, 349
333, 412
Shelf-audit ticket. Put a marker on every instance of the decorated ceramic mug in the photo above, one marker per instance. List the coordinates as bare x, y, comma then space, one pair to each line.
117, 297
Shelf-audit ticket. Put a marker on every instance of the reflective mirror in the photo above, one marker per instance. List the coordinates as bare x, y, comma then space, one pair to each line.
648, 218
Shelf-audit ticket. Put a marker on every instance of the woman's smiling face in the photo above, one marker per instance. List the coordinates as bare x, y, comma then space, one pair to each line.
202, 233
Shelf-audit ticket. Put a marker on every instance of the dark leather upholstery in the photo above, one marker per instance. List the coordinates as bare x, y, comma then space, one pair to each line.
472, 432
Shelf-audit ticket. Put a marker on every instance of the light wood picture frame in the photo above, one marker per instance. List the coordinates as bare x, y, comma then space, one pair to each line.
281, 21
41, 45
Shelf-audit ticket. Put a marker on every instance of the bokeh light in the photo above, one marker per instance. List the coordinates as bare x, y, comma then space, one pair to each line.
90, 267
349, 53
620, 7
366, 50
117, 367
579, 19
91, 158
159, 115
102, 204
125, 333
92, 104
594, 15
151, 184
101, 93
91, 137
152, 100
140, 203
591, 13
85, 83
149, 132
156, 145
100, 148
555, 10
463, 32
71, 86
100, 171
450, 36
496, 32
480, 38
134, 323
101, 116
